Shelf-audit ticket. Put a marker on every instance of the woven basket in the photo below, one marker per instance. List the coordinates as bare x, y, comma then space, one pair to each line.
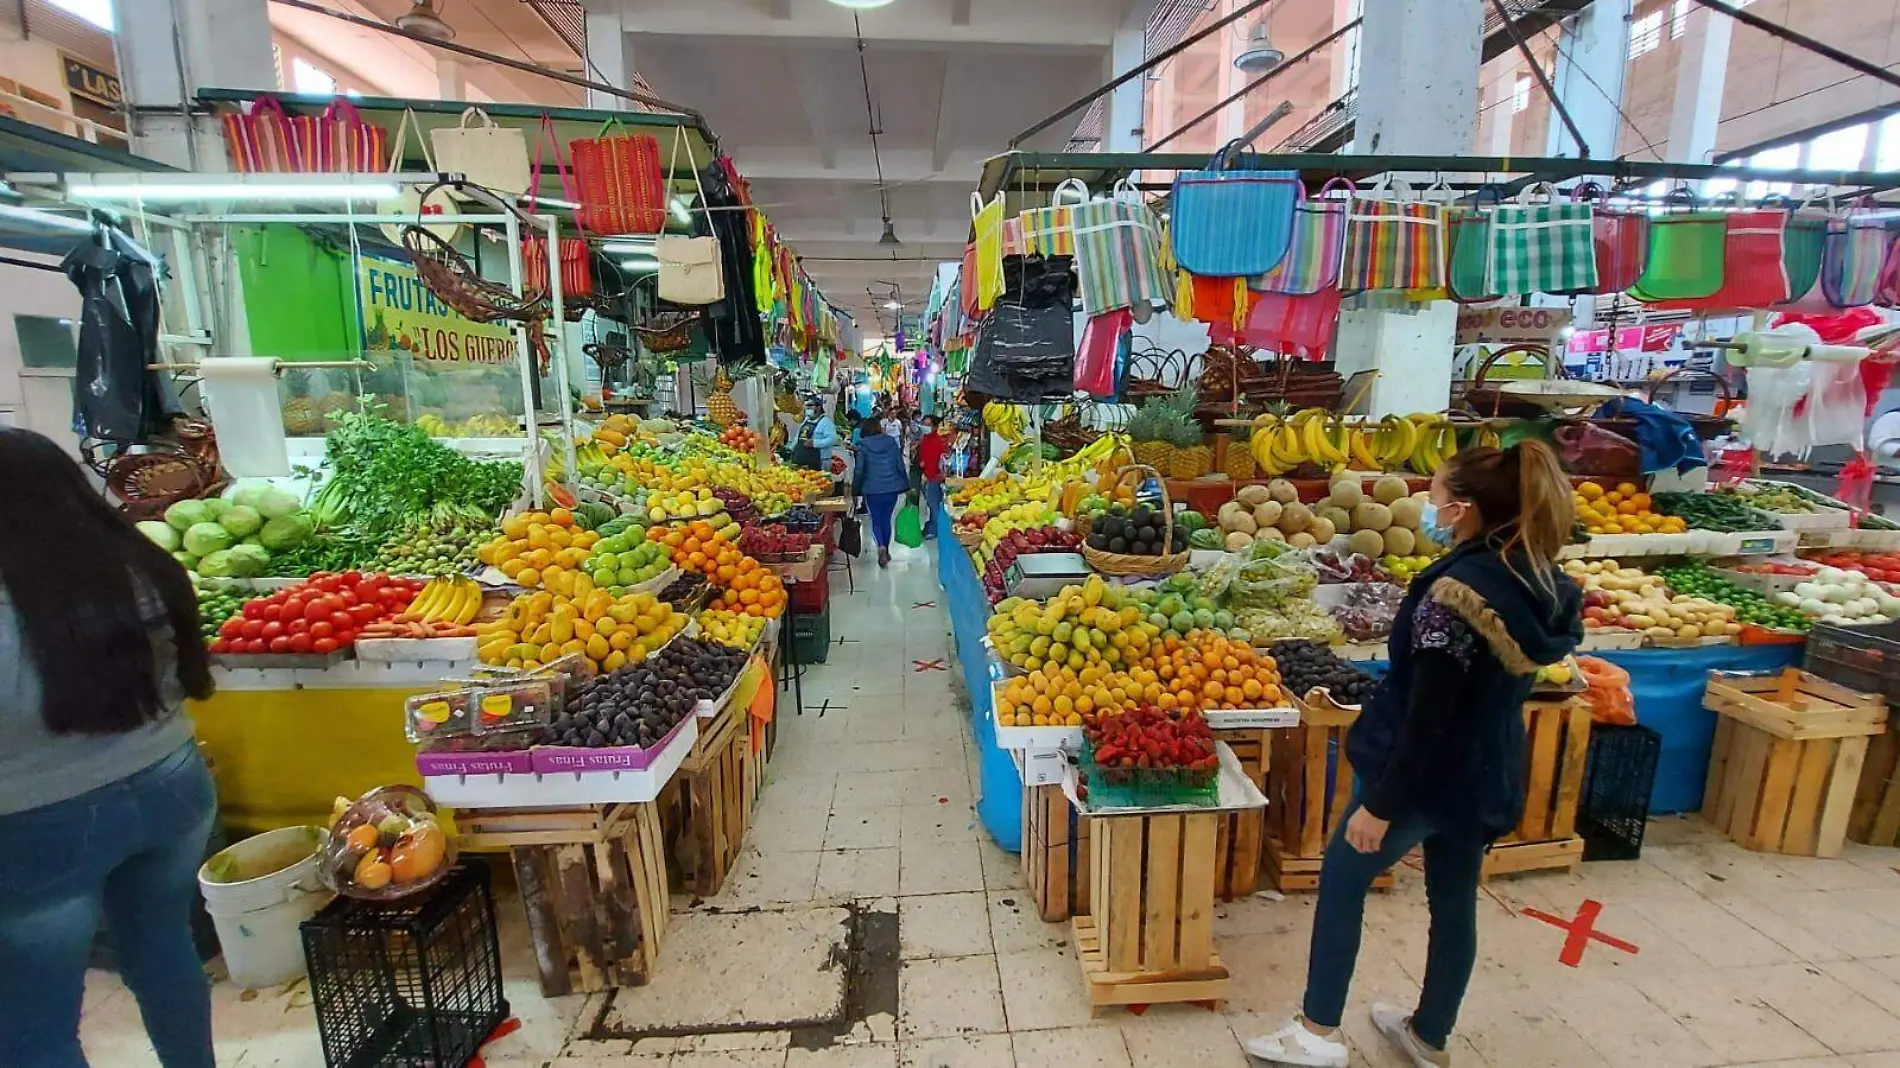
1124, 564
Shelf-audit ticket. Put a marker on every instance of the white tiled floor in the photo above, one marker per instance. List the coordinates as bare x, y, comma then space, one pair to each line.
1743, 958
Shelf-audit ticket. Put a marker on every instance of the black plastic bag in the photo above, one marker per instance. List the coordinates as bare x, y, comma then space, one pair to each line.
850, 536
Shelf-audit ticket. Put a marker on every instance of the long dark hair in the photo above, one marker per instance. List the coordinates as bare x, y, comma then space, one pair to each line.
81, 621
1522, 493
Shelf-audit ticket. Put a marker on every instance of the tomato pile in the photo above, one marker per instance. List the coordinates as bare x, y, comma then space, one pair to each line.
1148, 738
1881, 567
320, 615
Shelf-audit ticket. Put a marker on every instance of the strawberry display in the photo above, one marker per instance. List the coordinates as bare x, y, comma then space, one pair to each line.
1145, 746
772, 543
318, 616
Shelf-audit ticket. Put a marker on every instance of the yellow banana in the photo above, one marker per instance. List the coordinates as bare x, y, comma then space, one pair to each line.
419, 608
471, 605
1360, 451
1287, 452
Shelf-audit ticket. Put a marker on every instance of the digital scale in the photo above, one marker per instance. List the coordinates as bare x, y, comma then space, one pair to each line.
1039, 576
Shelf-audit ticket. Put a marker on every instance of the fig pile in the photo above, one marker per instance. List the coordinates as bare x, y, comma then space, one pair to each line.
639, 706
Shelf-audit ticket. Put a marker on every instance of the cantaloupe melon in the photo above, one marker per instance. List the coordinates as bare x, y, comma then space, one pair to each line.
1267, 513
1283, 491
1371, 515
1294, 518
1322, 529
1251, 496
1346, 493
1400, 541
1388, 489
1405, 513
1368, 543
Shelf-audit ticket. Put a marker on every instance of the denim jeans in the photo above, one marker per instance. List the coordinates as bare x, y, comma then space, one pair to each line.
933, 503
883, 508
127, 853
1452, 867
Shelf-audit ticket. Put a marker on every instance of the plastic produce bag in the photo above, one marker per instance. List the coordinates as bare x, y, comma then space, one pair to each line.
910, 526
1587, 449
1607, 689
1837, 403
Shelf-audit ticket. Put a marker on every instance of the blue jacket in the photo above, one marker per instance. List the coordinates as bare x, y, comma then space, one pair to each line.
881, 467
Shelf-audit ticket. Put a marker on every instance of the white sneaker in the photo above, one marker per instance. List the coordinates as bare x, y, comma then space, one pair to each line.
1396, 1025
1295, 1045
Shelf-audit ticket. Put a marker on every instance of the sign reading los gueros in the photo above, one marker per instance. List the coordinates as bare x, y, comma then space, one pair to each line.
399, 314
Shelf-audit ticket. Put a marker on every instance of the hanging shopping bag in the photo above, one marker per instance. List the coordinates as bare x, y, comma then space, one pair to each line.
1095, 356
1803, 244
1118, 254
1050, 231
1468, 235
1752, 271
966, 283
1685, 254
261, 140
619, 181
1294, 325
1315, 249
691, 270
1540, 247
341, 141
1233, 223
987, 223
1850, 269
577, 262
1619, 240
434, 210
1393, 240
488, 154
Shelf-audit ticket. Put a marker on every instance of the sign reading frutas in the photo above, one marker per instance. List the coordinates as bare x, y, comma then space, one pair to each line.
399, 314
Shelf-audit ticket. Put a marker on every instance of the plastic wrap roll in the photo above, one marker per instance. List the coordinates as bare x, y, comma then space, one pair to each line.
241, 394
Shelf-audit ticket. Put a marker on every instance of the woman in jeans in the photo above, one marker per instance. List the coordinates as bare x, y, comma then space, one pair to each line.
105, 804
1439, 748
880, 481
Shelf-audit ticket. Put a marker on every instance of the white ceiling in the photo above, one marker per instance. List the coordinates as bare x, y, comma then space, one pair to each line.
778, 80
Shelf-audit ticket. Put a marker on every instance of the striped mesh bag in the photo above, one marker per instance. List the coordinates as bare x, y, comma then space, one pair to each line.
1118, 253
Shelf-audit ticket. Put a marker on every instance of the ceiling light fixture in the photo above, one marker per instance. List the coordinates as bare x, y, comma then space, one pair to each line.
629, 246
423, 20
1260, 56
894, 305
643, 264
889, 240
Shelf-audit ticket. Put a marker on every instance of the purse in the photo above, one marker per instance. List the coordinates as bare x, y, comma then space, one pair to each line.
1547, 247
1049, 231
1230, 223
1393, 242
691, 271
1314, 250
619, 183
1851, 263
426, 207
261, 140
1686, 253
490, 155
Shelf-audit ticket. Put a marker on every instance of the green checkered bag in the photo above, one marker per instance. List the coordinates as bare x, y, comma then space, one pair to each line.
1547, 247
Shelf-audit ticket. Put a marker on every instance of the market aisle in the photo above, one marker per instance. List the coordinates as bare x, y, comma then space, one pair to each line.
871, 924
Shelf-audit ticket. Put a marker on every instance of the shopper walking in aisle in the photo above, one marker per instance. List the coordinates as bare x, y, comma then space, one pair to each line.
930, 449
817, 436
105, 804
1439, 749
881, 481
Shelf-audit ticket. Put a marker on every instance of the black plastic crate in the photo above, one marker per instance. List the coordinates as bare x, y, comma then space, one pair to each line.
414, 983
811, 635
1866, 659
1616, 787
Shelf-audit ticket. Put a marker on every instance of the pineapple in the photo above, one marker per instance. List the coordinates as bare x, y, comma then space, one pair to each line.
300, 414
1240, 464
1192, 458
721, 411
1145, 428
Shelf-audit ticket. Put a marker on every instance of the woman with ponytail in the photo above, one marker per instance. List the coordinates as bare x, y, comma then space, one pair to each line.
1439, 749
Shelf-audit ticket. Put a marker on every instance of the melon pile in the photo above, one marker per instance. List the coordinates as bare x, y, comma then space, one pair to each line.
1272, 512
1380, 520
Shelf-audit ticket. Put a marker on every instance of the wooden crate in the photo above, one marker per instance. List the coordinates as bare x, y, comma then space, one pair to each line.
1309, 784
709, 803
593, 885
1242, 834
1150, 937
1875, 817
1556, 751
1055, 855
1787, 759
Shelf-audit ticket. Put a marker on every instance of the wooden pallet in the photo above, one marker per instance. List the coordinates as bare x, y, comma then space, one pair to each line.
1055, 856
1787, 760
593, 885
1150, 937
1875, 817
1243, 834
709, 804
1556, 752
1309, 784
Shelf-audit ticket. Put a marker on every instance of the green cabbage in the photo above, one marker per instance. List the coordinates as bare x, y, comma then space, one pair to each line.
202, 539
241, 520
276, 503
162, 534
247, 492
214, 508
186, 514
286, 532
252, 559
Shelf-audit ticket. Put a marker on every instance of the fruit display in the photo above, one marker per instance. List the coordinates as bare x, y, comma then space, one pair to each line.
1207, 670
1023, 543
799, 519
640, 705
1622, 509
1881, 567
446, 607
740, 438
1633, 599
236, 535
772, 544
1314, 437
750, 590
1089, 623
1142, 531
1057, 695
541, 627
1146, 749
683, 589
1784, 500
386, 845
627, 559
737, 629
1177, 605
699, 546
1695, 579
1841, 597
318, 616
216, 603
1307, 666
1368, 611
446, 541
541, 549
1722, 512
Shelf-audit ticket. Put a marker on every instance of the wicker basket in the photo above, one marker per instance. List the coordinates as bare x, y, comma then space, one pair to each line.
1122, 563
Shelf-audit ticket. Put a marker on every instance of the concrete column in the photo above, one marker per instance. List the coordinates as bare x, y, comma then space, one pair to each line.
609, 58
1500, 111
1418, 95
451, 81
1593, 55
1345, 51
168, 51
1125, 118
1701, 73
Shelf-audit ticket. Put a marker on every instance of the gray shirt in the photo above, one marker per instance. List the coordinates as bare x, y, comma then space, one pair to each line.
38, 767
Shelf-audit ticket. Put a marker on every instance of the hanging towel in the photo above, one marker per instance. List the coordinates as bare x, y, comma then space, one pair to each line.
1667, 441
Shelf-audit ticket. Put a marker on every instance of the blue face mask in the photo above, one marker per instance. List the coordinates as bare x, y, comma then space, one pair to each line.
1428, 522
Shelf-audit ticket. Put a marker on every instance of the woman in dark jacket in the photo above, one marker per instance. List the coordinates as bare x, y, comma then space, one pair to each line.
881, 479
1439, 749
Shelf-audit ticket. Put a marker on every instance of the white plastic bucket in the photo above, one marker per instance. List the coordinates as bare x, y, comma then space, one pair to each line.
258, 892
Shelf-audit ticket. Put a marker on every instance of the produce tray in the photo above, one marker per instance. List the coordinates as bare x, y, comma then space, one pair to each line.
1030, 739
1237, 792
414, 650
1836, 517
1749, 543
561, 789
1148, 787
297, 661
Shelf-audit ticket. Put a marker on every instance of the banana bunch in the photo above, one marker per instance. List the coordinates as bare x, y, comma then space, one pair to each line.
1311, 435
453, 600
1008, 421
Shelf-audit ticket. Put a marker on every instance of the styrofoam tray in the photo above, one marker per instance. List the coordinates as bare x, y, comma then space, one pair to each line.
1749, 543
1234, 719
1610, 638
415, 650
562, 788
1237, 792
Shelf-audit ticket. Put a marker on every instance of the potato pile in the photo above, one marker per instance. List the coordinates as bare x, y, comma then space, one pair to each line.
1633, 599
1272, 512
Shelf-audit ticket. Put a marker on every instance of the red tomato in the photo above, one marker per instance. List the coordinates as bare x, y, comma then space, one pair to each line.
253, 610
256, 645
321, 629
297, 626
302, 643
347, 596
317, 609
351, 578
326, 583
361, 613
252, 628
372, 584
323, 646
231, 628
341, 620
271, 630
294, 607
345, 637
220, 646
279, 644
272, 612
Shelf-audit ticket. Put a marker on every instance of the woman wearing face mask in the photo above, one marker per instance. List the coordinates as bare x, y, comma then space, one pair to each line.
1439, 748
